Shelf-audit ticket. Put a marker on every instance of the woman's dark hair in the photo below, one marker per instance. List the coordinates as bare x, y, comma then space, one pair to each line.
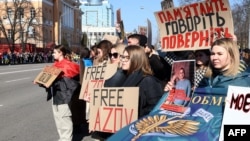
65, 50
85, 52
94, 48
105, 46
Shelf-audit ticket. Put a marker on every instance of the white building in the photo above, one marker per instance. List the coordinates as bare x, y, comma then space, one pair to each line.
97, 20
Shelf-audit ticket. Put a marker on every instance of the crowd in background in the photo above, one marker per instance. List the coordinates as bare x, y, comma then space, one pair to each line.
25, 58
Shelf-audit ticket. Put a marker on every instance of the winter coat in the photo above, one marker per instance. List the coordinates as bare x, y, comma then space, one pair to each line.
62, 90
116, 80
150, 91
66, 85
221, 81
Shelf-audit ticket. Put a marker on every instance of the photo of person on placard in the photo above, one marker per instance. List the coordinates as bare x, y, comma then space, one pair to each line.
181, 83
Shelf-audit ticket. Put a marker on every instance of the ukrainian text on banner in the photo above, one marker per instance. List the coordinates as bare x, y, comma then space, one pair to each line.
113, 108
236, 108
201, 121
195, 26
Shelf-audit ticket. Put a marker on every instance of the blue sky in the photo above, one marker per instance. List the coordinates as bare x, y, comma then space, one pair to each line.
136, 12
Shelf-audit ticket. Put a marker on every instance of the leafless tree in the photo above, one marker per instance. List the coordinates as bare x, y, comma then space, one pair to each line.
241, 13
18, 22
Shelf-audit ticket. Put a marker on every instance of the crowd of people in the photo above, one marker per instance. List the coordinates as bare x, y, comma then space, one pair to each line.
25, 58
140, 65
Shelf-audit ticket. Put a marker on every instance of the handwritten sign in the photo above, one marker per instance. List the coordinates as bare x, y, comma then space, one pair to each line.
195, 26
113, 108
113, 39
237, 108
94, 77
47, 75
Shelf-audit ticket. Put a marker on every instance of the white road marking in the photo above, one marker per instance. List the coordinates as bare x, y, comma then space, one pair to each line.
17, 79
19, 71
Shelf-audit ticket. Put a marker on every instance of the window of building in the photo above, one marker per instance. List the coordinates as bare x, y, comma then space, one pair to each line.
32, 12
20, 12
9, 12
31, 32
9, 33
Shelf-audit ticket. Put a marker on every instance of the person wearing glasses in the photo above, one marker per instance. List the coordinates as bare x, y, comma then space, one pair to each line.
139, 74
115, 52
114, 56
134, 71
61, 91
115, 81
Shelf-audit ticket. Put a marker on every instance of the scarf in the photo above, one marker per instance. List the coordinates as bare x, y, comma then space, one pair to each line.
70, 69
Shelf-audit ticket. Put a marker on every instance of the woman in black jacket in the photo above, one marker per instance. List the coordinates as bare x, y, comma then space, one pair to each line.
61, 91
138, 71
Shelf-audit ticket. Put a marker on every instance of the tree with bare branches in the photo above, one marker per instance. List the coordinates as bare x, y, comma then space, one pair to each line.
18, 22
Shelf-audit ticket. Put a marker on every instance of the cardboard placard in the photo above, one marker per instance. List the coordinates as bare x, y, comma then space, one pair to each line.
236, 108
47, 76
194, 26
113, 108
111, 38
179, 97
94, 77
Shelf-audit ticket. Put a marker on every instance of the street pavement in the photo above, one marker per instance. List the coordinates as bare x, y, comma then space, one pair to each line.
25, 115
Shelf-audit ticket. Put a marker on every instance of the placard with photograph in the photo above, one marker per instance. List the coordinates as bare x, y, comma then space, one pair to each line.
182, 77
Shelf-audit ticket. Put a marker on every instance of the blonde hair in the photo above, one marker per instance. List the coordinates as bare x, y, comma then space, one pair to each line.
232, 49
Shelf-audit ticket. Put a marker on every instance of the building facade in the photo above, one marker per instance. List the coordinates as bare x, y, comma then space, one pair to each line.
97, 20
41, 22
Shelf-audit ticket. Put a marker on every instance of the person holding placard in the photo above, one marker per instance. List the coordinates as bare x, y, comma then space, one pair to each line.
160, 68
179, 81
118, 78
139, 74
61, 91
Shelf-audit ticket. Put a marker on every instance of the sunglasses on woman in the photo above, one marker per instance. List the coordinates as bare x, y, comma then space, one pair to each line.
115, 55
